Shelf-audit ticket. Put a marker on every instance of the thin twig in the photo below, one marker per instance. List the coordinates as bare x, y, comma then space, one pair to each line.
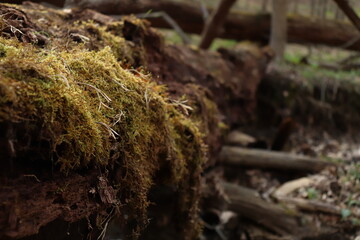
147, 98
33, 176
112, 132
106, 221
99, 93
118, 118
64, 79
121, 85
182, 105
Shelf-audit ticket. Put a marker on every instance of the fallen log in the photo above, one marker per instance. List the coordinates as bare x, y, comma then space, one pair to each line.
239, 26
77, 105
236, 156
248, 203
321, 107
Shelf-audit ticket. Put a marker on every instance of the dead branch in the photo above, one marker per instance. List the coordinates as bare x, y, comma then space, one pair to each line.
237, 156
215, 22
248, 203
349, 12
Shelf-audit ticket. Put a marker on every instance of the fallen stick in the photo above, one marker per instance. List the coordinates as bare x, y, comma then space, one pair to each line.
316, 206
239, 139
247, 203
291, 186
311, 205
236, 156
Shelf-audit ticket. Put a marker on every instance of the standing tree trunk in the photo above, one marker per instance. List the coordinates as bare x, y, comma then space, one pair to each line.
215, 23
318, 8
296, 7
278, 36
324, 9
264, 5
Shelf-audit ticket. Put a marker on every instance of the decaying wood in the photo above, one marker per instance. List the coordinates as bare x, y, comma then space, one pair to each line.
237, 156
67, 199
291, 186
322, 112
247, 203
214, 23
311, 205
237, 26
182, 70
314, 206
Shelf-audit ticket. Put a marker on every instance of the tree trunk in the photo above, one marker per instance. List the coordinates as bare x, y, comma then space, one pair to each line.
264, 5
313, 8
324, 7
296, 7
278, 37
215, 22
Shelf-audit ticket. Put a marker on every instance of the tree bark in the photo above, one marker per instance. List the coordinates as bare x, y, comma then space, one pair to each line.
236, 156
214, 24
278, 37
349, 12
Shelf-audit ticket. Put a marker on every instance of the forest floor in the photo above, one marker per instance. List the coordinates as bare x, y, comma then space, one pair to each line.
335, 192
324, 128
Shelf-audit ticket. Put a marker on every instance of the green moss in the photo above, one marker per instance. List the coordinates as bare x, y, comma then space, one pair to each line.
92, 111
85, 102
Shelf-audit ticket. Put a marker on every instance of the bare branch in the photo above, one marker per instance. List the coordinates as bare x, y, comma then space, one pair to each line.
215, 22
349, 12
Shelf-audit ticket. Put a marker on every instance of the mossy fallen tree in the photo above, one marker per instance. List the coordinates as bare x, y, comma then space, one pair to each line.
329, 103
87, 132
